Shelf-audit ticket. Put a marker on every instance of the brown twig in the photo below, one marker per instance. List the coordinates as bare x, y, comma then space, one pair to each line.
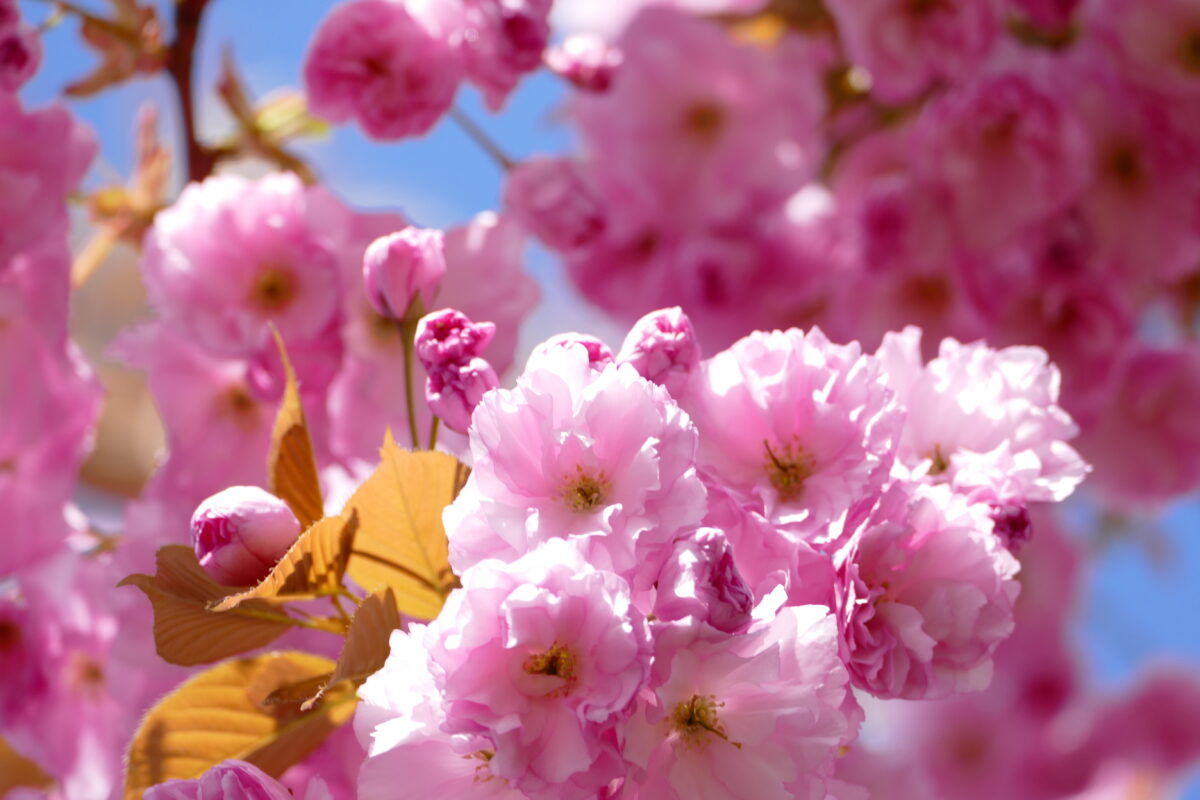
188, 15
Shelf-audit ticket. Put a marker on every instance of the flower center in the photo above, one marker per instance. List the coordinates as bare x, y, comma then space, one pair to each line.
237, 402
938, 462
585, 492
704, 120
1189, 52
274, 289
557, 662
1125, 164
788, 468
483, 770
10, 635
694, 718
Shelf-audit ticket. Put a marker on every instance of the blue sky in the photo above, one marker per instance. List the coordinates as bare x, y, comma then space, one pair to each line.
1137, 609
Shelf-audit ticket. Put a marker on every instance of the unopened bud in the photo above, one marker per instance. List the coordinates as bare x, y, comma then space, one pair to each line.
454, 390
701, 580
403, 267
599, 354
240, 533
449, 337
662, 347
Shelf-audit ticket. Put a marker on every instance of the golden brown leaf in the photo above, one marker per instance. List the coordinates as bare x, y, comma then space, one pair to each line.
291, 465
18, 771
313, 566
401, 542
368, 643
186, 632
223, 713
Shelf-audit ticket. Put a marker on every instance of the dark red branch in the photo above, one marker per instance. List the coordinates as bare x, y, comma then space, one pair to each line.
188, 15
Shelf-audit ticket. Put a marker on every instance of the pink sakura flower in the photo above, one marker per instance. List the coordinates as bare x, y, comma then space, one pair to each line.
502, 40
800, 426
698, 123
1009, 134
908, 46
392, 71
454, 391
43, 156
927, 593
552, 197
588, 61
541, 656
447, 336
1157, 43
600, 455
662, 347
701, 580
757, 716
400, 722
982, 419
233, 254
51, 400
1145, 441
241, 532
232, 780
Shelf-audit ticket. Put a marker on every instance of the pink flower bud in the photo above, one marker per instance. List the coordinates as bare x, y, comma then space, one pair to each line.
454, 390
662, 347
240, 533
20, 54
402, 267
585, 60
701, 580
553, 200
229, 780
449, 337
598, 352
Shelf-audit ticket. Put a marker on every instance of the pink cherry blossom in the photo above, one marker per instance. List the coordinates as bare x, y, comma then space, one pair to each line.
804, 427
231, 780
20, 56
980, 418
1154, 42
454, 391
906, 46
553, 199
241, 532
502, 40
927, 593
600, 455
399, 721
448, 336
1012, 135
1144, 442
392, 71
232, 255
758, 716
541, 656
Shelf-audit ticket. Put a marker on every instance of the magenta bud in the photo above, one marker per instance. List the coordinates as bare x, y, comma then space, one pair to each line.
551, 198
229, 780
454, 390
20, 54
449, 337
701, 580
240, 533
585, 60
662, 347
403, 267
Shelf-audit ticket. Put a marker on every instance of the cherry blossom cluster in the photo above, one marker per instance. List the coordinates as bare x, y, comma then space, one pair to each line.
670, 592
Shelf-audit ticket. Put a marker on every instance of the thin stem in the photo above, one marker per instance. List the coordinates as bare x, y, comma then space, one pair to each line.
433, 432
346, 593
188, 14
481, 138
408, 330
315, 624
337, 603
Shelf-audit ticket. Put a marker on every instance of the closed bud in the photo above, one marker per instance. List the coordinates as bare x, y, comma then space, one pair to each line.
449, 337
599, 354
454, 390
662, 347
403, 267
701, 580
240, 533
